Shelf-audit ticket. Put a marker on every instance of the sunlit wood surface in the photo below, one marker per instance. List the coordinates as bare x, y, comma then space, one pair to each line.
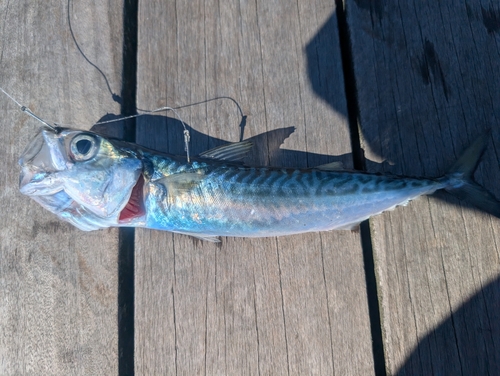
423, 82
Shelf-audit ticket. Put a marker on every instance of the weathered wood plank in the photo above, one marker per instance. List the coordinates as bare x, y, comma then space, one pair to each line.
294, 305
427, 82
58, 285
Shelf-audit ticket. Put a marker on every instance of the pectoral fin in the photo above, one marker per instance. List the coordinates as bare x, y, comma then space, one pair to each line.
183, 182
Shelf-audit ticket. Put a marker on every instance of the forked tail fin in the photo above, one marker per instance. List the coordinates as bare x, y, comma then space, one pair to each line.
461, 183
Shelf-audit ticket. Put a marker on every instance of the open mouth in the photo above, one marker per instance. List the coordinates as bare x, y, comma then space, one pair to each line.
135, 205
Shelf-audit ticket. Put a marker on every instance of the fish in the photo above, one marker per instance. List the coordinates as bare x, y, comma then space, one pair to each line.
95, 182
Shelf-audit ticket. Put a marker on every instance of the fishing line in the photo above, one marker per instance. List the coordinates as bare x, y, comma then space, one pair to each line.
115, 97
173, 109
119, 100
166, 108
55, 129
30, 113
187, 137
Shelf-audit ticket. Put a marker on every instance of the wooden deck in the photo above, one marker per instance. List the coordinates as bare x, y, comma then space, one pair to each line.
415, 292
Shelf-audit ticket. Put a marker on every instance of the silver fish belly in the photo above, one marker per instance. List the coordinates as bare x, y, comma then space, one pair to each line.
93, 182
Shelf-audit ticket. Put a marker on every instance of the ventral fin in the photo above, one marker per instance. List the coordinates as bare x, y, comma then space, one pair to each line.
350, 226
208, 238
333, 166
235, 151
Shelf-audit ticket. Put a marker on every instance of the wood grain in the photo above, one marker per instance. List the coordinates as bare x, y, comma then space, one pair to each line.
427, 82
294, 305
58, 285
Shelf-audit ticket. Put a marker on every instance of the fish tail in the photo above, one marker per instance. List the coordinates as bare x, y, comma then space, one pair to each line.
460, 181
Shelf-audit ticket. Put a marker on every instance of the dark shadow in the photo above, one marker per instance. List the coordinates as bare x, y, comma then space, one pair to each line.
322, 51
322, 66
417, 139
400, 139
165, 134
471, 337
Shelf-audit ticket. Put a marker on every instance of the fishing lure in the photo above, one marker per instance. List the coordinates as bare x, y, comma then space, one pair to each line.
94, 182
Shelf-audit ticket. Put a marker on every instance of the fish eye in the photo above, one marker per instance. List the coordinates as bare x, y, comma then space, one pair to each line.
83, 146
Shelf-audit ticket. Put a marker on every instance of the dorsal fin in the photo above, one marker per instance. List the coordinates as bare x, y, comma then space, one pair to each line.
230, 152
333, 166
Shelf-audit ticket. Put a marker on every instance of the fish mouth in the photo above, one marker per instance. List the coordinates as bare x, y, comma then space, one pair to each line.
36, 182
135, 205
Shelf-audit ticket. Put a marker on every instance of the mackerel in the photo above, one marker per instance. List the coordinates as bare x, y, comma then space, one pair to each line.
94, 182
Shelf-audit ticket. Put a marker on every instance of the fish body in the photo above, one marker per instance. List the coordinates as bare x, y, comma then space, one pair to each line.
234, 200
94, 182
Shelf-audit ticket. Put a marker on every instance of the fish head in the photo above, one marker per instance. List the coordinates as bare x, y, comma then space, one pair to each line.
80, 174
